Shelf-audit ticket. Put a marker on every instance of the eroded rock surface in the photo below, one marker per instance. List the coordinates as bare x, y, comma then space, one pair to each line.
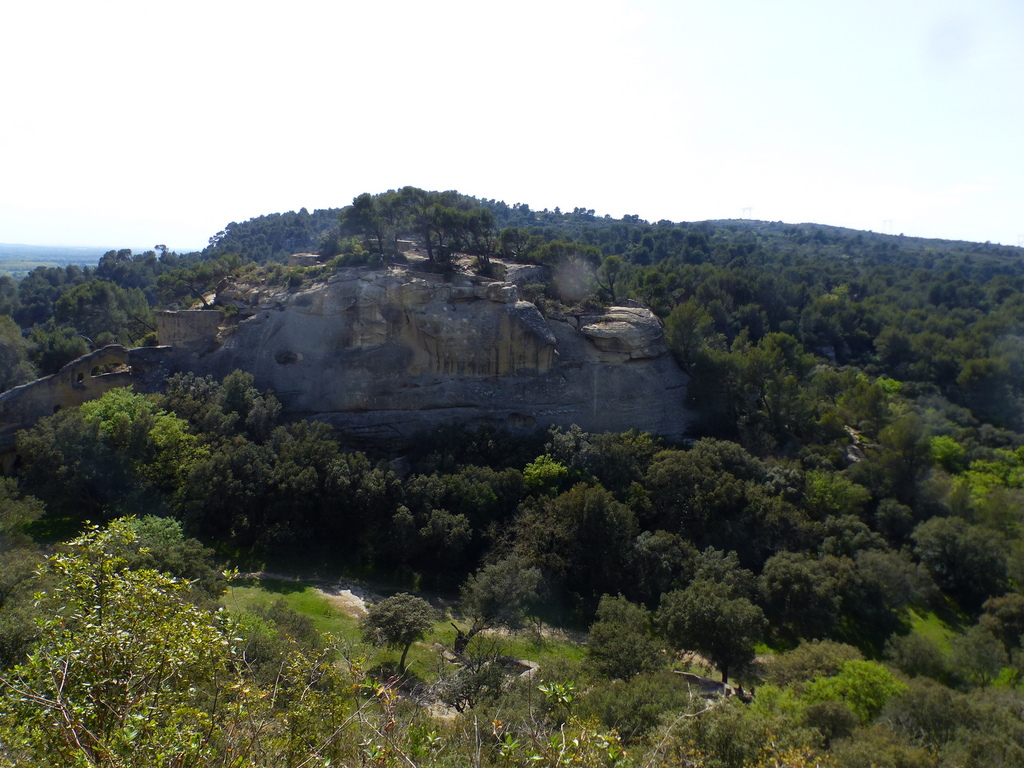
383, 355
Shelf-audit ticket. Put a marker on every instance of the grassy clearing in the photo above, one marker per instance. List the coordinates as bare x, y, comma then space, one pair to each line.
423, 660
928, 624
249, 593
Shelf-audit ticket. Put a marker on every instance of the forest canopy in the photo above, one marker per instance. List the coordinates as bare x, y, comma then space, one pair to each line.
842, 529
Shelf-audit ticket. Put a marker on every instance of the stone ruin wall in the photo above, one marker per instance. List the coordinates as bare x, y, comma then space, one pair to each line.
188, 329
80, 381
95, 374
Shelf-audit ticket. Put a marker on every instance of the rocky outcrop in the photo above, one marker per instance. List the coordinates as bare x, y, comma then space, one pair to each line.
383, 355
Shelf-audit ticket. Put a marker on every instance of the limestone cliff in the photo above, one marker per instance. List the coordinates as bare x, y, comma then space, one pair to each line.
385, 354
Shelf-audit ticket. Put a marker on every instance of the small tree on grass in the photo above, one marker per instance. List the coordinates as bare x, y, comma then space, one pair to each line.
398, 622
706, 618
496, 596
621, 644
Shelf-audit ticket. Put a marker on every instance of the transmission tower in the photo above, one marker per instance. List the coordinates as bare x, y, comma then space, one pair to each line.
887, 226
747, 213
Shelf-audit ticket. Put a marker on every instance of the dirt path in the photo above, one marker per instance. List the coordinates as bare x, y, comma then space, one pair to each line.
345, 600
350, 599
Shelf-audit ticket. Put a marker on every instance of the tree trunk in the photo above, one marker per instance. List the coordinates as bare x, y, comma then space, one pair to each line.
401, 661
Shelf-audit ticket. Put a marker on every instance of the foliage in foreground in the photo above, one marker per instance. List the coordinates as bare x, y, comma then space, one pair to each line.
132, 668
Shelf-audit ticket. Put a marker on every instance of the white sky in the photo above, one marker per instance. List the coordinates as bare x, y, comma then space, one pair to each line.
126, 123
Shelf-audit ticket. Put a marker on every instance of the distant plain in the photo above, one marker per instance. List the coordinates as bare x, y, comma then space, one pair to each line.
18, 260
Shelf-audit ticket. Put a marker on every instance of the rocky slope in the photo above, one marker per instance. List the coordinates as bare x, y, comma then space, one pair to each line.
385, 354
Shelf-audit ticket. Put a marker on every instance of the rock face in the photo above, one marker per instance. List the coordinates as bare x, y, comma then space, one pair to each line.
383, 355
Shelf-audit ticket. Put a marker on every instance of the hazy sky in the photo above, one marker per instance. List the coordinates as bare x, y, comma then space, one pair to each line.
131, 123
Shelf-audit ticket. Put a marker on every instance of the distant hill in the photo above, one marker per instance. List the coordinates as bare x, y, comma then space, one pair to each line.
18, 259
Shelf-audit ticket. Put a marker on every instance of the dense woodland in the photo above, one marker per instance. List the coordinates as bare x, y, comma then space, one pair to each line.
842, 532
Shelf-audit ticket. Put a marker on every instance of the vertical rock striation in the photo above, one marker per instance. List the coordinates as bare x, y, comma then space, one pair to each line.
385, 354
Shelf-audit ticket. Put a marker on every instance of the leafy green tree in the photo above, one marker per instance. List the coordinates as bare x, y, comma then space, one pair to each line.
105, 312
978, 655
662, 561
183, 286
967, 561
444, 540
41, 288
545, 475
55, 346
20, 559
518, 244
398, 622
1004, 617
160, 544
577, 538
617, 460
724, 568
9, 301
294, 489
691, 335
930, 713
15, 366
768, 395
256, 414
705, 618
115, 455
864, 686
483, 495
810, 660
129, 671
636, 706
899, 463
716, 494
233, 406
374, 217
608, 275
124, 670
988, 386
131, 270
892, 580
155, 444
829, 493
895, 521
621, 644
801, 594
272, 238
574, 266
879, 745
446, 222
496, 596
947, 453
916, 655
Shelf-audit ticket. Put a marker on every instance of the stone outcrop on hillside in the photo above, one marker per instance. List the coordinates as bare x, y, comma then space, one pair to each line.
385, 354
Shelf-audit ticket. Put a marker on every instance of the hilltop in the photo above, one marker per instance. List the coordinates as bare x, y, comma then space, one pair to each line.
794, 453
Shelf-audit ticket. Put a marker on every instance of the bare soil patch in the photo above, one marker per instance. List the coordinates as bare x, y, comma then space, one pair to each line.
345, 600
350, 599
